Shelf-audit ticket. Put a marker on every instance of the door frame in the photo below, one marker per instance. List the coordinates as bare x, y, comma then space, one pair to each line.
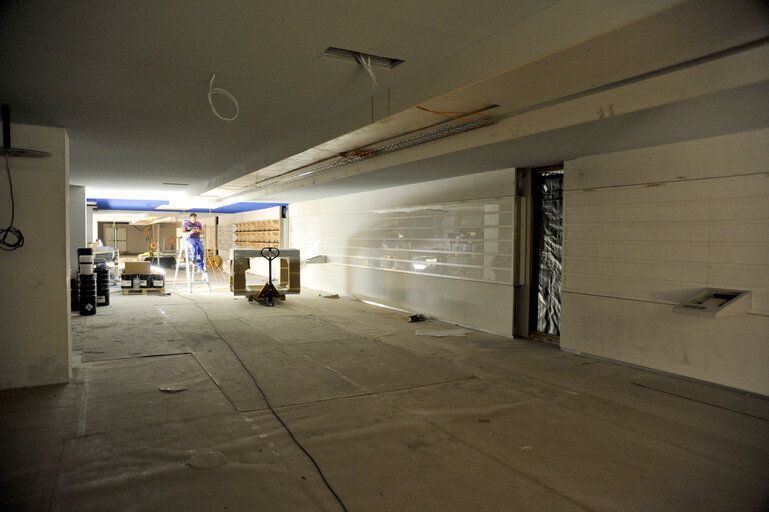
525, 312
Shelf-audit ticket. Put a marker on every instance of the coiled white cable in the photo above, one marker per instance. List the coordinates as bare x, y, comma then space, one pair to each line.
215, 90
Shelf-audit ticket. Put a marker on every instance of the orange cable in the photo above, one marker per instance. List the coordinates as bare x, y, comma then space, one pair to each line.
488, 117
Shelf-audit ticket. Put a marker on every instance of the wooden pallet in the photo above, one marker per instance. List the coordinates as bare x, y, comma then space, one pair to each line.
144, 291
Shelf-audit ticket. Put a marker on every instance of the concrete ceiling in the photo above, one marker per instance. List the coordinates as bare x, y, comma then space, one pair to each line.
129, 81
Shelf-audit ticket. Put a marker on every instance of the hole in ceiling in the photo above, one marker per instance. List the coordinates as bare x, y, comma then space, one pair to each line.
353, 56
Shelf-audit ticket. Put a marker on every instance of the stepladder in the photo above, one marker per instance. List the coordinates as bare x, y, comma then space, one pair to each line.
190, 268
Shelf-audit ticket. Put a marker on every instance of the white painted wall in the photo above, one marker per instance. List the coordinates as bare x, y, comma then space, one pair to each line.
78, 223
91, 225
344, 224
649, 228
35, 344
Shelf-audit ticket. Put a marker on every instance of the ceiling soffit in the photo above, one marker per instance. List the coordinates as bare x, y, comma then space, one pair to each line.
640, 52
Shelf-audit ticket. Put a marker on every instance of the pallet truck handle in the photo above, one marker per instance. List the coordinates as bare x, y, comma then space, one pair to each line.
270, 253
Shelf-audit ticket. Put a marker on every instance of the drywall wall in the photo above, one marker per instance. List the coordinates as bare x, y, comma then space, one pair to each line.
442, 248
647, 229
140, 237
77, 223
91, 226
35, 343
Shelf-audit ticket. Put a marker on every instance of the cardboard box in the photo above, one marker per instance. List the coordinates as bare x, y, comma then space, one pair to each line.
284, 272
137, 267
294, 283
237, 283
240, 265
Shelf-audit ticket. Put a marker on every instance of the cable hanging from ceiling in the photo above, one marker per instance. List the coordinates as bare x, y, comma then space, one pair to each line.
11, 237
365, 63
216, 90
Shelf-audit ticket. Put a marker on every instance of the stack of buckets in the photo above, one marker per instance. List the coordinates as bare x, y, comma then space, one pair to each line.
102, 286
92, 288
86, 281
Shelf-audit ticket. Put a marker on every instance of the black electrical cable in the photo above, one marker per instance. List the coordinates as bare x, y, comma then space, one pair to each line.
5, 243
272, 410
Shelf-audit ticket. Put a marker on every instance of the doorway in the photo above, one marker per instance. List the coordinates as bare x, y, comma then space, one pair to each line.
547, 253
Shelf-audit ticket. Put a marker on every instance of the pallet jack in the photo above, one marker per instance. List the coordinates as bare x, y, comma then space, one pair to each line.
268, 293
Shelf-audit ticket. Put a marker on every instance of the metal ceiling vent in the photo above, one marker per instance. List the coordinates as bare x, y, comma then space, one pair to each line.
366, 61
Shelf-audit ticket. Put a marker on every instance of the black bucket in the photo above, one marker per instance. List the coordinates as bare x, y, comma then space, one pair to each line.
87, 305
87, 294
102, 286
73, 295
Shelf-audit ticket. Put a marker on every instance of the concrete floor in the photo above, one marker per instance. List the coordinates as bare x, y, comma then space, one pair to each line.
396, 421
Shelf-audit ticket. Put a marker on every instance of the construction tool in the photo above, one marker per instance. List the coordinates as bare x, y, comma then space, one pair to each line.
268, 293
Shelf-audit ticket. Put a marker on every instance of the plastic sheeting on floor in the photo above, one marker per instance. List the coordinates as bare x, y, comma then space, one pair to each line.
396, 422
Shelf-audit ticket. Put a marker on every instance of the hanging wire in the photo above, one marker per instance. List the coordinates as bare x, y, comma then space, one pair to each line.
17, 239
215, 90
365, 63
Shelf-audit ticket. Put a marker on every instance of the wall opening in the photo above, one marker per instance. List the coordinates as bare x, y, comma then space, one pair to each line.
547, 253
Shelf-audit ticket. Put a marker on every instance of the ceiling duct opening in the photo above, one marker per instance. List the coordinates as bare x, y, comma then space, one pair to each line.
355, 57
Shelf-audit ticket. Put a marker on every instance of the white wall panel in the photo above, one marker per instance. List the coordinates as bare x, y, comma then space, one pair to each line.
727, 351
443, 248
638, 248
444, 240
77, 223
718, 157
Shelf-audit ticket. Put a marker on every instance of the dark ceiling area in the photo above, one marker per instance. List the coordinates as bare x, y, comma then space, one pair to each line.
130, 81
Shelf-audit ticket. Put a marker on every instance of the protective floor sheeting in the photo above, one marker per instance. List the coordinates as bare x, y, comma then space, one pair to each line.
396, 421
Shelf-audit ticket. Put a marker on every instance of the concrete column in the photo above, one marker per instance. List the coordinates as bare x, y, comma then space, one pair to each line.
77, 222
91, 228
35, 343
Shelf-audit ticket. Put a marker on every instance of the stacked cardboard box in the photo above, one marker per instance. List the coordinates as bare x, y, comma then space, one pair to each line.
258, 233
289, 275
238, 274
